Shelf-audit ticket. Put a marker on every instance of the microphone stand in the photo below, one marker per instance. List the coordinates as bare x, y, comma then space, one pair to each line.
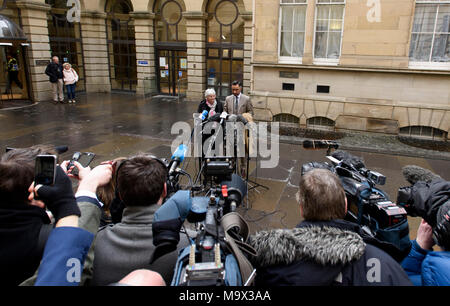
255, 184
209, 148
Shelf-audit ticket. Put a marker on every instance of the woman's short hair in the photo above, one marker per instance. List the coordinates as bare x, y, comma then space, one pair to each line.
210, 92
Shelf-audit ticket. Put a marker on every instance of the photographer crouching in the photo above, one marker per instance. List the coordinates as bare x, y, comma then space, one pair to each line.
429, 198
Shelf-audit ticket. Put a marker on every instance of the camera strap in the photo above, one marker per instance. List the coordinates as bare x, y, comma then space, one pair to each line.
229, 222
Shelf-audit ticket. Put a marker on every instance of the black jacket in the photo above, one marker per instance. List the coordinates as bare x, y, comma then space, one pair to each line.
20, 253
203, 106
322, 254
54, 71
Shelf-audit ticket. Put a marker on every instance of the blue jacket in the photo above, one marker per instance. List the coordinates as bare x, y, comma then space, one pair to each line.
64, 255
427, 268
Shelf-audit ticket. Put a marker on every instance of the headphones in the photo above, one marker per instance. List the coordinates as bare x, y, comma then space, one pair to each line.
117, 206
441, 234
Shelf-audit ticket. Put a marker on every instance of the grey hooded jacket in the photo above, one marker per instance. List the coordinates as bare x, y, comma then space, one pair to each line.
322, 255
128, 246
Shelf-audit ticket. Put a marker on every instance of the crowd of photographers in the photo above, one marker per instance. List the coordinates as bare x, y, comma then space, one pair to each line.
102, 233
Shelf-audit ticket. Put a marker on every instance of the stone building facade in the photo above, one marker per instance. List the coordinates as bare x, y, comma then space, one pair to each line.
359, 65
368, 65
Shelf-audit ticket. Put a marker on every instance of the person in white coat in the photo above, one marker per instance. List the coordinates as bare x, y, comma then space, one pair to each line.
70, 80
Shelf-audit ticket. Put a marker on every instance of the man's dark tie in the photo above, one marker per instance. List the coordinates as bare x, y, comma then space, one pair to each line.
236, 105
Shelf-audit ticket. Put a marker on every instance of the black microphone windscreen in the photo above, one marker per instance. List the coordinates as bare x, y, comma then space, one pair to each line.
216, 118
61, 149
414, 174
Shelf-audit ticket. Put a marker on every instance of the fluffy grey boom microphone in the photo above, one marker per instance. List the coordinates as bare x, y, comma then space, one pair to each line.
414, 174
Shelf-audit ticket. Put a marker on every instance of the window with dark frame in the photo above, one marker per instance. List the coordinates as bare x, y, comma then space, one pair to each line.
224, 45
320, 123
121, 45
65, 39
423, 132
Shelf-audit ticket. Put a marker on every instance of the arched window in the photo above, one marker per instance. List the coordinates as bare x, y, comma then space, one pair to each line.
320, 123
170, 46
423, 132
287, 119
65, 38
121, 45
225, 45
169, 22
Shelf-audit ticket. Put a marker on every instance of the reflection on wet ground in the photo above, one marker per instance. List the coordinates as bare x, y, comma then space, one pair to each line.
115, 125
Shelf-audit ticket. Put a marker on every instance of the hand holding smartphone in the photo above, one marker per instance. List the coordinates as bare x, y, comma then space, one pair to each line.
85, 159
45, 170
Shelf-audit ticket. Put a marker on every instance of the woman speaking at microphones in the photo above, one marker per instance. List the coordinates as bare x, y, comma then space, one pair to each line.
210, 104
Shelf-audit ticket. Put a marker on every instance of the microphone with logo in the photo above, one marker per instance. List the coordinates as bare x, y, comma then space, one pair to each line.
174, 171
204, 115
177, 159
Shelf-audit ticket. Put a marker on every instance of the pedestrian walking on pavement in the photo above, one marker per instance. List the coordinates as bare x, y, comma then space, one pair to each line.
13, 74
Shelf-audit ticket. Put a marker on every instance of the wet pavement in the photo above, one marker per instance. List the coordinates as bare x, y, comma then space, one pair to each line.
115, 125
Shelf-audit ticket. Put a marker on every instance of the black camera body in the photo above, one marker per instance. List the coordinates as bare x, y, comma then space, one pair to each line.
428, 198
368, 206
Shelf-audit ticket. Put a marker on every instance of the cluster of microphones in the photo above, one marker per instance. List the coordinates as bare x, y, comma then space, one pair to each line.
222, 117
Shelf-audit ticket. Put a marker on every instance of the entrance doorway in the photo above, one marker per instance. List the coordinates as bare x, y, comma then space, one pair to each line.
13, 80
172, 71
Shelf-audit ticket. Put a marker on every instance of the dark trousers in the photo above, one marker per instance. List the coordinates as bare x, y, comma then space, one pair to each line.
71, 91
13, 76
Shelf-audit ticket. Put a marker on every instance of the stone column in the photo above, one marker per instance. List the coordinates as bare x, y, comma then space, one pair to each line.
196, 53
95, 51
248, 45
35, 27
309, 33
145, 51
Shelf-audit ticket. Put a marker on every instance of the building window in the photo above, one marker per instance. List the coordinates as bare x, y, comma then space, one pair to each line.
430, 37
320, 123
423, 132
121, 45
65, 39
287, 119
169, 22
224, 45
328, 33
292, 30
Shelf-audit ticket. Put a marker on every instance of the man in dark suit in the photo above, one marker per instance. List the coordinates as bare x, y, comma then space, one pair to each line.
238, 103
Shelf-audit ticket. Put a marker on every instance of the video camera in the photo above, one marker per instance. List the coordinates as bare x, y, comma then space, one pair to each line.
210, 260
368, 206
429, 198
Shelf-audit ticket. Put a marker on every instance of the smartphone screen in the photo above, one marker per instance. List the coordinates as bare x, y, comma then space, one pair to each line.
85, 159
45, 170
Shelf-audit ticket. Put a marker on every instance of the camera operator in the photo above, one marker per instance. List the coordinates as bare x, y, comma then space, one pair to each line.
429, 198
324, 249
127, 246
